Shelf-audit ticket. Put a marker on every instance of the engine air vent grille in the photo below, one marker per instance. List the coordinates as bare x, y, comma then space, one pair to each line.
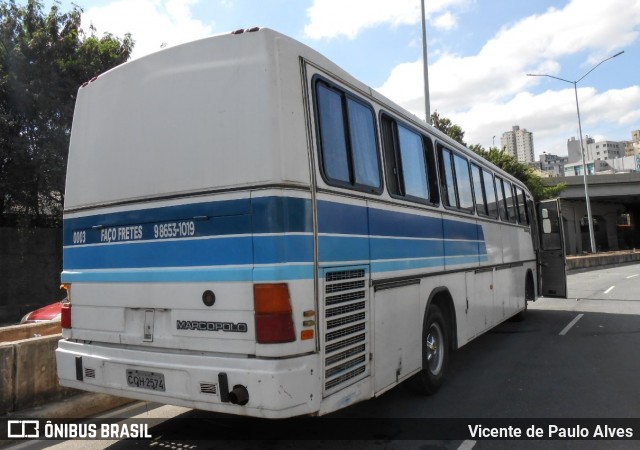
346, 328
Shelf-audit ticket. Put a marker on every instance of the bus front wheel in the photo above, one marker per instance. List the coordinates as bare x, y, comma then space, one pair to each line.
435, 353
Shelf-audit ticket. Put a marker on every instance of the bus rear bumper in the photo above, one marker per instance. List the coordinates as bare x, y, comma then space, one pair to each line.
277, 388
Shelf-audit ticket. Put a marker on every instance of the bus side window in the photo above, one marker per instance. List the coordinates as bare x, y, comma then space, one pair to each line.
413, 164
456, 181
509, 199
479, 191
522, 206
348, 145
490, 190
502, 206
463, 182
409, 162
448, 182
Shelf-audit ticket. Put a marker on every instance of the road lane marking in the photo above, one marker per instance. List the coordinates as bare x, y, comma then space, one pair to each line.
609, 290
571, 324
632, 276
467, 445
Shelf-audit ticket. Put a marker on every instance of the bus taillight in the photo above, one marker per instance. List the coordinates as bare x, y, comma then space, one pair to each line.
65, 309
274, 321
65, 315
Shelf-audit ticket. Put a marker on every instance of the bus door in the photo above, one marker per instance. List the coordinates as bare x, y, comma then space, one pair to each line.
552, 271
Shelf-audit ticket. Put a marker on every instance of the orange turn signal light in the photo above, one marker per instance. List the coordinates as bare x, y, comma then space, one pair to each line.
273, 313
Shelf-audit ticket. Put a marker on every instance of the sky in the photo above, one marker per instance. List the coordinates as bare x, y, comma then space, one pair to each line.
479, 54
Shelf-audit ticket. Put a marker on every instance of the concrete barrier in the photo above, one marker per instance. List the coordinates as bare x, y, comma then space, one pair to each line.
36, 378
29, 330
28, 373
7, 357
601, 260
29, 381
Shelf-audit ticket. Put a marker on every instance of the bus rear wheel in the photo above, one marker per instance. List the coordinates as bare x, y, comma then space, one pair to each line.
435, 353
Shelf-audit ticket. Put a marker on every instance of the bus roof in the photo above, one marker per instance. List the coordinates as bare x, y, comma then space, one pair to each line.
224, 112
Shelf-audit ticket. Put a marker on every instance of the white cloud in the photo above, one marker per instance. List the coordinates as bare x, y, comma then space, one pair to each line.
152, 23
332, 18
551, 116
487, 92
446, 21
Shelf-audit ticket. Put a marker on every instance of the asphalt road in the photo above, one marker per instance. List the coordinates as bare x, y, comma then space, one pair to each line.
574, 358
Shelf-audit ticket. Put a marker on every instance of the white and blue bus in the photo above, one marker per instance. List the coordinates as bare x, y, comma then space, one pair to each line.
248, 229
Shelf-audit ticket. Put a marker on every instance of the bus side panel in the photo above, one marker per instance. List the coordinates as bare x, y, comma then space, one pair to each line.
519, 254
405, 243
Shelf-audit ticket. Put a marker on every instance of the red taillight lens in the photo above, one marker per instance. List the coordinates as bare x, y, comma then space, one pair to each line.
65, 315
274, 323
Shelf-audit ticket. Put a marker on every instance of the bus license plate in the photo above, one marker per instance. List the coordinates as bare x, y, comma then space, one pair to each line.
145, 380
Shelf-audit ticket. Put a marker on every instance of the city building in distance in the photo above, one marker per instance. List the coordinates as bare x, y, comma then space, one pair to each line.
519, 144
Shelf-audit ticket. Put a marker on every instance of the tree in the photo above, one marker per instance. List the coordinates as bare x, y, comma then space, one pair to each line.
44, 58
521, 171
501, 159
447, 127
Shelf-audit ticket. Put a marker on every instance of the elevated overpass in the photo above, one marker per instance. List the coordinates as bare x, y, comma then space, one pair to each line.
615, 208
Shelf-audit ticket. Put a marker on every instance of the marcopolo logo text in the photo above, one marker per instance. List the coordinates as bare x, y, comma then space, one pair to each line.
198, 325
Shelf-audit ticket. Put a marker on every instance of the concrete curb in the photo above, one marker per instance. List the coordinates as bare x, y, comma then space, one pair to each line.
78, 406
601, 260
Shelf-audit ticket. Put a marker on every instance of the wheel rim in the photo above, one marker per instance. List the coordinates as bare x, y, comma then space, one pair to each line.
435, 350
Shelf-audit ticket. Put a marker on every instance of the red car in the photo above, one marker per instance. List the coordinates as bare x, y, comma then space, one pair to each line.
46, 313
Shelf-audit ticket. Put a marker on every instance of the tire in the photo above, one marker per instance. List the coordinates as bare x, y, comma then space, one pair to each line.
435, 353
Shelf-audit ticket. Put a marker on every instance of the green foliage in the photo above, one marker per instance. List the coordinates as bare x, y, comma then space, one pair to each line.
447, 127
44, 58
521, 171
501, 159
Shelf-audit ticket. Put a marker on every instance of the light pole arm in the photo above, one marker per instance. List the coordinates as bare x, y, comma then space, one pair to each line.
550, 76
594, 67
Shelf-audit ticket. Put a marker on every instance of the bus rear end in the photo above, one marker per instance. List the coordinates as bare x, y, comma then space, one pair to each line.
188, 232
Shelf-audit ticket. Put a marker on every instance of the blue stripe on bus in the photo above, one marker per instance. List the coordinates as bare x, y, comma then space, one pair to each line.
426, 263
282, 249
218, 209
248, 235
258, 250
243, 216
247, 274
341, 218
176, 253
276, 215
384, 248
281, 215
158, 275
398, 224
192, 252
219, 274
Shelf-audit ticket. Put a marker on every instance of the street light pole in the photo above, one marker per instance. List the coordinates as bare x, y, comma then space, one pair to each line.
592, 238
584, 167
427, 103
